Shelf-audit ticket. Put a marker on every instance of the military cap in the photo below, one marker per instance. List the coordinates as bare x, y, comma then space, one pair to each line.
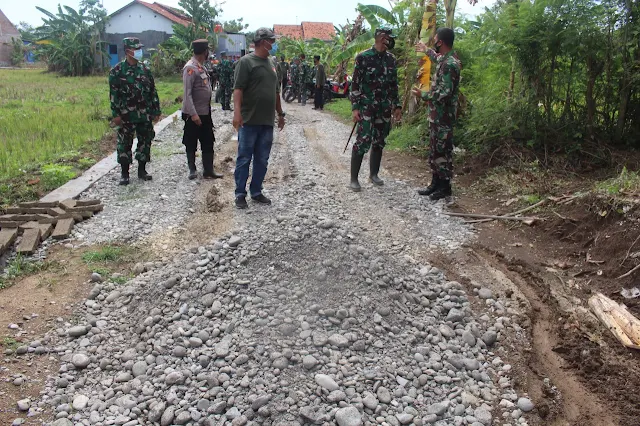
223, 53
132, 43
385, 30
263, 34
201, 43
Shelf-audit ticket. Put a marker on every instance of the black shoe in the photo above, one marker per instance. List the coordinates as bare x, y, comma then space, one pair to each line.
443, 191
375, 158
142, 171
241, 202
261, 199
191, 162
124, 174
432, 187
207, 166
356, 162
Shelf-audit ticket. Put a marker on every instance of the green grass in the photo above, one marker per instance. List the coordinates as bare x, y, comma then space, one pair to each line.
340, 107
19, 267
105, 254
10, 343
406, 137
46, 119
625, 183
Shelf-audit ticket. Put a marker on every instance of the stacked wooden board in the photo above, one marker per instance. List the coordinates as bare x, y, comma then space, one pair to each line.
36, 221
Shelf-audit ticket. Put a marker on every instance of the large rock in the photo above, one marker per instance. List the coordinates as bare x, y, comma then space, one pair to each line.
78, 330
326, 382
348, 416
80, 402
80, 361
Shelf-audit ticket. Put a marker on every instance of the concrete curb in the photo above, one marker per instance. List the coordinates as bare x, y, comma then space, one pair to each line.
75, 187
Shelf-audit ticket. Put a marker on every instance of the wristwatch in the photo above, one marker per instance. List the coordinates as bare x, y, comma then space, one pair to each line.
281, 114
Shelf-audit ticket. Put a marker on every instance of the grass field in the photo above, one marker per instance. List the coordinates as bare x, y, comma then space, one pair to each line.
340, 107
53, 126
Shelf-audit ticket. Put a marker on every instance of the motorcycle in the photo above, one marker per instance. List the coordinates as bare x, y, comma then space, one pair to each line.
291, 92
339, 90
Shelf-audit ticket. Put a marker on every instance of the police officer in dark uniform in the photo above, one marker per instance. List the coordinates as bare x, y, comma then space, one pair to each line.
196, 111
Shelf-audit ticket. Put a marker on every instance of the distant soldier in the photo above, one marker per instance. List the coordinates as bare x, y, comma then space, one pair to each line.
374, 99
134, 108
284, 71
442, 101
305, 76
196, 111
318, 100
211, 71
225, 77
295, 71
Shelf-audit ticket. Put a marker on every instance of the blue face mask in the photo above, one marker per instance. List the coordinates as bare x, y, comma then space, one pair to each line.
138, 54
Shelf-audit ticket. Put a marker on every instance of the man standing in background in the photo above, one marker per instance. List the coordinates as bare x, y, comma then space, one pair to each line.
256, 100
196, 111
225, 77
442, 102
318, 100
284, 71
304, 77
134, 108
295, 75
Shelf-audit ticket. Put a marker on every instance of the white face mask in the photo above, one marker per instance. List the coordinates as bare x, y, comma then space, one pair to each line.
137, 54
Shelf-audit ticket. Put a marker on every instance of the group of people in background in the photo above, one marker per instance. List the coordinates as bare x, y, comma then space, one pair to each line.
257, 80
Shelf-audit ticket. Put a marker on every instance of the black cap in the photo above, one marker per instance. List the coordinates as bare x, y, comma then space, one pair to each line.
264, 34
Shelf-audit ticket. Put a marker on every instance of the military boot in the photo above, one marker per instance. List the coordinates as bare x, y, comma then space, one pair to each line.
356, 162
142, 171
442, 191
191, 161
432, 187
207, 166
124, 174
375, 158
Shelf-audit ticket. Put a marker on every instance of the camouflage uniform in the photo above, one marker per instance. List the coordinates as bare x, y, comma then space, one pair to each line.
295, 71
442, 101
305, 76
134, 98
225, 77
374, 92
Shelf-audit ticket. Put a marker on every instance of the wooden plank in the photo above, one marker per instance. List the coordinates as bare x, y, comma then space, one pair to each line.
92, 208
69, 203
56, 211
30, 241
605, 310
7, 238
63, 229
83, 203
45, 231
9, 224
29, 204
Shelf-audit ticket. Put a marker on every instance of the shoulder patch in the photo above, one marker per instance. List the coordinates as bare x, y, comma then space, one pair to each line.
190, 71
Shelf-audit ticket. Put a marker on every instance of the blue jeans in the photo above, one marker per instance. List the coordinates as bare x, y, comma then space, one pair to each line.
253, 142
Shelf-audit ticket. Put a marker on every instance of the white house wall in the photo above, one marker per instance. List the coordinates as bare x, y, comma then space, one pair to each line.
136, 19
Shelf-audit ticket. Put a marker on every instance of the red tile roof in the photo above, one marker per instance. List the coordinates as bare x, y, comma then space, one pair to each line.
291, 31
320, 30
168, 12
306, 31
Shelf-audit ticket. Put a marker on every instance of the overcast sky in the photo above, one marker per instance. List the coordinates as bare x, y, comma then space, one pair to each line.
257, 13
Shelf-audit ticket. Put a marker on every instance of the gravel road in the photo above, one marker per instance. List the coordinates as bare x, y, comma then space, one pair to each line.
315, 310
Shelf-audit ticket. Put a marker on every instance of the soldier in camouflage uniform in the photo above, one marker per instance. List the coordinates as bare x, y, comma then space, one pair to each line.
225, 77
442, 100
295, 72
284, 72
134, 108
374, 99
305, 76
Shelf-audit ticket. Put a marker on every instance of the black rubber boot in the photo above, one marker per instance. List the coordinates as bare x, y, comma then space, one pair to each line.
432, 187
191, 161
443, 190
207, 166
356, 162
124, 174
375, 158
142, 171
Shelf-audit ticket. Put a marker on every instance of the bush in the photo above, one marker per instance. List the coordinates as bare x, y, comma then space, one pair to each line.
17, 52
55, 175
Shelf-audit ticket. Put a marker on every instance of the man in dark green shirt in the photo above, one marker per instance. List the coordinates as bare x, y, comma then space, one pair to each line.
256, 100
320, 77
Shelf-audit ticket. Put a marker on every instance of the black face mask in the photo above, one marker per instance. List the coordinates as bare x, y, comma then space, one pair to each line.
436, 48
390, 42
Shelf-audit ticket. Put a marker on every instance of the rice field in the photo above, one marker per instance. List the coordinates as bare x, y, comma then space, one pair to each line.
45, 118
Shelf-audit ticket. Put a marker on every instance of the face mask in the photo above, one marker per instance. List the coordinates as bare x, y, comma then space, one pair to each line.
436, 48
391, 43
138, 54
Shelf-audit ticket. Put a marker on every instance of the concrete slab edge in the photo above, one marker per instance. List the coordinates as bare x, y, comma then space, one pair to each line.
77, 186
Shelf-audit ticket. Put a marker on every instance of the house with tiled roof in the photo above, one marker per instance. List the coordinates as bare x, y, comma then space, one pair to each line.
8, 31
152, 23
306, 31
